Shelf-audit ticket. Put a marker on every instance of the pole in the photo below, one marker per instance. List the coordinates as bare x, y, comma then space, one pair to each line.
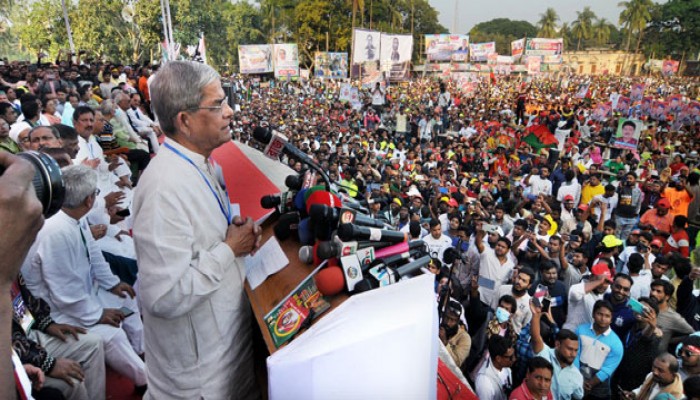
454, 18
68, 30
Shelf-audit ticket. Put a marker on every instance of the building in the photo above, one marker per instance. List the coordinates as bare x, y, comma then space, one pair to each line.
603, 61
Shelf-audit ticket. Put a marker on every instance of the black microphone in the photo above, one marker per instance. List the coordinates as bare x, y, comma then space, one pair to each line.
349, 232
322, 212
390, 260
287, 224
283, 202
371, 282
331, 249
280, 144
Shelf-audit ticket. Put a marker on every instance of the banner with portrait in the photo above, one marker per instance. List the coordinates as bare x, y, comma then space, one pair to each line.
516, 48
395, 56
447, 47
255, 58
479, 52
330, 65
534, 64
627, 135
286, 60
669, 67
365, 46
637, 92
550, 49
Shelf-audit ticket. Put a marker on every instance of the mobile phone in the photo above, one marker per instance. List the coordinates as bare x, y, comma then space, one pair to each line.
123, 213
488, 228
126, 311
636, 306
536, 301
573, 238
546, 302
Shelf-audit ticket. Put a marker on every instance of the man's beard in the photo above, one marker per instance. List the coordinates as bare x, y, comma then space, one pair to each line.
449, 332
519, 292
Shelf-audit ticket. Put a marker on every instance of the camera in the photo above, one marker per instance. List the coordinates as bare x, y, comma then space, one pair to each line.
47, 181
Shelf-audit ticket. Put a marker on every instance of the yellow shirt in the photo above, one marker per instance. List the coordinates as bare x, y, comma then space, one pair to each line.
588, 192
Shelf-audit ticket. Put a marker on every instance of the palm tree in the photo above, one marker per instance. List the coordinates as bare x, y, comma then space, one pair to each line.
356, 5
601, 31
548, 23
582, 27
565, 33
634, 17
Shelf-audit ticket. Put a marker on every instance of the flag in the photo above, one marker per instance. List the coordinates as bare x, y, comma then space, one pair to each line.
200, 53
539, 136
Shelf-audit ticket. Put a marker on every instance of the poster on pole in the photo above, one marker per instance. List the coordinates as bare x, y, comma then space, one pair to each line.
550, 49
255, 58
445, 47
533, 65
286, 60
331, 65
628, 132
479, 52
365, 46
395, 56
516, 48
669, 67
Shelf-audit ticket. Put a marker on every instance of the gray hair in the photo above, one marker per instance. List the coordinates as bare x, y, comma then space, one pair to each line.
107, 107
80, 182
178, 87
53, 130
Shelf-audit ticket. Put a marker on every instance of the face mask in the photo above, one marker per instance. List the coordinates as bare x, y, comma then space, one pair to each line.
502, 315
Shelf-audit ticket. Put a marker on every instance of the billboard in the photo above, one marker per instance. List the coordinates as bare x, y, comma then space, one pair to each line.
395, 56
286, 60
447, 47
481, 51
516, 48
255, 58
533, 64
550, 49
331, 65
365, 46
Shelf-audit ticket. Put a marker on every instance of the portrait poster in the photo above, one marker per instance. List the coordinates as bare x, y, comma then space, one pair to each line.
395, 56
601, 111
582, 90
517, 47
479, 52
647, 103
255, 58
637, 92
675, 103
365, 46
627, 135
445, 47
330, 65
623, 105
286, 60
544, 47
659, 110
534, 64
669, 67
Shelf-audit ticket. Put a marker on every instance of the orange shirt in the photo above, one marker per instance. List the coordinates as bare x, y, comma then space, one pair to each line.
143, 88
680, 200
662, 223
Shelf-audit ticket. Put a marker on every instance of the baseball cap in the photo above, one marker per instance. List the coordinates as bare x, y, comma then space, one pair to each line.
601, 269
583, 207
635, 232
398, 201
663, 202
611, 241
452, 203
568, 197
656, 242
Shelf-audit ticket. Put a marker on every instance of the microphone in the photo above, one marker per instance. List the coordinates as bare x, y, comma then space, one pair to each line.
349, 232
330, 280
330, 249
386, 276
306, 254
282, 201
411, 267
322, 212
390, 260
306, 234
286, 224
399, 248
277, 144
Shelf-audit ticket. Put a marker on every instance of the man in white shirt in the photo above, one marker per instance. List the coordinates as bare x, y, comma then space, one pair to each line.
121, 114
495, 266
141, 122
437, 241
190, 248
609, 197
582, 296
539, 184
493, 381
519, 290
69, 272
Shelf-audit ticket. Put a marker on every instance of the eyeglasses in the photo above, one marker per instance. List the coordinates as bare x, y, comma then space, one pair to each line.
220, 107
688, 353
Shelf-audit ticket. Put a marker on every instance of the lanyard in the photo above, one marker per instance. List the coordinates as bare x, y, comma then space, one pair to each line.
226, 212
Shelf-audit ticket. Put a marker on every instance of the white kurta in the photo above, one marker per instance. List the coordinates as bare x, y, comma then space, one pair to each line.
196, 316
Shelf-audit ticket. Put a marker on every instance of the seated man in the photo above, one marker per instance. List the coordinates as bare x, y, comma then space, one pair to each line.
453, 334
70, 273
73, 364
663, 378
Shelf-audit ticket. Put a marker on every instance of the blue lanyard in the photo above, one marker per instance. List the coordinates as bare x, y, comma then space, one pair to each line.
227, 212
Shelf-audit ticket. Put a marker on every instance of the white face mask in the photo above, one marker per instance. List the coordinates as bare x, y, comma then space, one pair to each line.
502, 315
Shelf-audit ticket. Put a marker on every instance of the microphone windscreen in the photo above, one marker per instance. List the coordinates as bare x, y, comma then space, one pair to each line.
293, 182
269, 202
328, 249
305, 254
306, 235
346, 232
330, 280
323, 197
299, 200
262, 135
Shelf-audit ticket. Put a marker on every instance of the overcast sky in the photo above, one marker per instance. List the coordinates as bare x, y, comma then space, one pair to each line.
472, 12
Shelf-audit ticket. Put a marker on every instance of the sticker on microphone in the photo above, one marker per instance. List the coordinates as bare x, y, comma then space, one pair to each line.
352, 270
375, 234
347, 216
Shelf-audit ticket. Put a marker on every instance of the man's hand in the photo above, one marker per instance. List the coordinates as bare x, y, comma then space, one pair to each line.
122, 289
111, 316
442, 335
36, 375
98, 231
67, 370
243, 237
91, 163
119, 235
20, 214
113, 198
590, 383
61, 330
113, 163
535, 309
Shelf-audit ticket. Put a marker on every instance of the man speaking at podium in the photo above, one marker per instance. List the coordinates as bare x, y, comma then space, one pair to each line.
195, 313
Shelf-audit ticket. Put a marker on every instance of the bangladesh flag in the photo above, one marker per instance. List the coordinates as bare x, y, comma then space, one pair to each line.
539, 137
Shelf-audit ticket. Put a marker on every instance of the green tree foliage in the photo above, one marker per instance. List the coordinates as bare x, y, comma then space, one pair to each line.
548, 24
502, 31
674, 30
582, 27
634, 17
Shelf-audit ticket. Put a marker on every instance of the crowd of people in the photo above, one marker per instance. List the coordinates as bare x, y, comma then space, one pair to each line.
574, 276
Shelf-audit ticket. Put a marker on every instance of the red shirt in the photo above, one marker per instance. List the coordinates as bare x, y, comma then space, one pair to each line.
678, 241
522, 393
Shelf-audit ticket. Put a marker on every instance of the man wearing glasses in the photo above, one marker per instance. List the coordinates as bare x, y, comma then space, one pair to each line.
190, 247
690, 357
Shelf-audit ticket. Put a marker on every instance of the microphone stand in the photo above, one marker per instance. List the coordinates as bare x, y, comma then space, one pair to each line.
442, 306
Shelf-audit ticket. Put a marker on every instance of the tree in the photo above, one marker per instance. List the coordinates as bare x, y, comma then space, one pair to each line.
507, 27
601, 32
634, 17
548, 24
565, 33
582, 27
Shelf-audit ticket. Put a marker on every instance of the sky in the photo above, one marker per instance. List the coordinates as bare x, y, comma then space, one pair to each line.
472, 12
